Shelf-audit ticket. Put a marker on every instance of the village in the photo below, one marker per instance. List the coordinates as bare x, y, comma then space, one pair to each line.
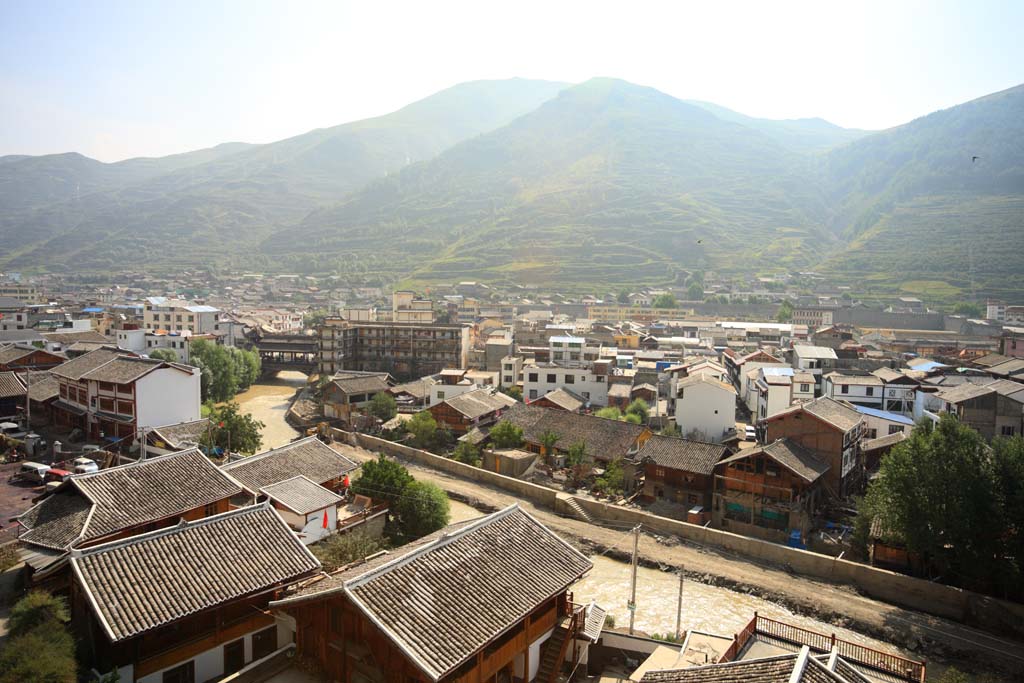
728, 433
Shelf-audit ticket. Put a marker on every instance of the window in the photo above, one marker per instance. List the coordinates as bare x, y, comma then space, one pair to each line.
570, 379
1008, 430
507, 379
659, 472
533, 394
183, 673
870, 391
805, 388
846, 389
870, 433
440, 395
895, 429
264, 642
586, 395
532, 376
552, 378
209, 510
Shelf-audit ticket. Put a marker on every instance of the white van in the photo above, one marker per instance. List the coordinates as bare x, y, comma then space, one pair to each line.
33, 472
85, 466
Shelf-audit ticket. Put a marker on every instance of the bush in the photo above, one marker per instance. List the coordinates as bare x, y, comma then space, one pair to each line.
506, 435
423, 508
467, 453
383, 480
639, 408
35, 610
383, 406
8, 556
341, 549
423, 428
39, 647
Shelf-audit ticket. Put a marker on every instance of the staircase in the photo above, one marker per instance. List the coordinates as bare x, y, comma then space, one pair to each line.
577, 510
552, 656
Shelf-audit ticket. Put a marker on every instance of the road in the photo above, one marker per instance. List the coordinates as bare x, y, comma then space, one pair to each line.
939, 641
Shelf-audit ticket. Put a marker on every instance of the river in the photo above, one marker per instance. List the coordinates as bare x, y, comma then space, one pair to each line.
268, 401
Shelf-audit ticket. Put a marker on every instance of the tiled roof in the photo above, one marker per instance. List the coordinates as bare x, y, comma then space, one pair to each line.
309, 457
834, 412
882, 442
9, 354
441, 600
480, 402
605, 439
964, 392
808, 351
567, 400
798, 667
122, 370
147, 581
72, 337
301, 495
10, 385
359, 383
127, 496
701, 378
175, 435
682, 454
418, 388
859, 380
790, 455
42, 386
75, 368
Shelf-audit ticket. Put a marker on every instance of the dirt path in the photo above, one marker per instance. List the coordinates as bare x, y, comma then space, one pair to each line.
931, 638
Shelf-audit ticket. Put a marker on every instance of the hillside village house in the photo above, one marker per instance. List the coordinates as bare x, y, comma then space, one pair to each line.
562, 399
404, 350
815, 360
898, 389
13, 314
993, 409
12, 396
351, 392
590, 382
23, 358
308, 457
474, 409
739, 366
766, 491
135, 614
178, 315
176, 437
402, 615
116, 503
881, 423
705, 406
453, 382
679, 470
832, 431
604, 439
110, 394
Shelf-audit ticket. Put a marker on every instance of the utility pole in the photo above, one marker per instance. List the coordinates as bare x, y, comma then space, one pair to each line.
632, 595
679, 607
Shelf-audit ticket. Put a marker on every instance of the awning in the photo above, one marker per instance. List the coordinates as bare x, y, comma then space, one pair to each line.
68, 407
115, 417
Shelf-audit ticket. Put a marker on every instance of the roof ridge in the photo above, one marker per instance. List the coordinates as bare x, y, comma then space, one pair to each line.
264, 454
445, 538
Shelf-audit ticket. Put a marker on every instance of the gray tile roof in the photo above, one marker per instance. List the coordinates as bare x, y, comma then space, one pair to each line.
787, 668
75, 368
964, 392
360, 383
480, 402
42, 386
859, 380
122, 370
147, 581
605, 439
682, 454
442, 599
175, 435
836, 413
882, 442
127, 496
72, 337
309, 457
790, 455
10, 385
301, 495
566, 399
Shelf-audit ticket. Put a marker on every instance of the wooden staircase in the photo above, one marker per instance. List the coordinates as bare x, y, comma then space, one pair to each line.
553, 655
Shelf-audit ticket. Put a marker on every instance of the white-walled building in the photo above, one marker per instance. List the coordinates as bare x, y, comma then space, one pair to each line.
816, 360
704, 405
511, 371
774, 393
878, 423
175, 315
541, 378
861, 390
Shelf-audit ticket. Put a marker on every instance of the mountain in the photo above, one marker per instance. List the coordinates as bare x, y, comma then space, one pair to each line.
77, 211
915, 211
608, 182
800, 135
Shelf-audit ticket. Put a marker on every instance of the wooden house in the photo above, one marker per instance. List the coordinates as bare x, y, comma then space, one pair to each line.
308, 457
476, 408
401, 616
679, 470
22, 358
604, 439
766, 491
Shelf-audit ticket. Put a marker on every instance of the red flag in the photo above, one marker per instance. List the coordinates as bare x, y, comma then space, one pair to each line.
221, 425
325, 519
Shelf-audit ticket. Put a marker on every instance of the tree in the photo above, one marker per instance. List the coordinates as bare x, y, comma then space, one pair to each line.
969, 309
506, 435
695, 292
423, 428
548, 439
623, 296
632, 418
639, 408
670, 429
341, 549
513, 391
609, 413
467, 453
936, 493
224, 370
39, 647
382, 480
785, 312
38, 609
613, 480
314, 318
578, 462
164, 355
665, 300
422, 509
383, 406
232, 429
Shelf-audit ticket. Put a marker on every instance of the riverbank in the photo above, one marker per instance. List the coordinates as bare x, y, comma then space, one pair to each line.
269, 402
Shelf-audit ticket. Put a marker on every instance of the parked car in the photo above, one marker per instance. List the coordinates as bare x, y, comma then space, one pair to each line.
11, 430
34, 472
85, 466
91, 448
751, 433
56, 475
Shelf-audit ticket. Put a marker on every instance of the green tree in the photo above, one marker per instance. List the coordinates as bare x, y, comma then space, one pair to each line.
1008, 472
785, 312
341, 549
670, 429
314, 318
422, 509
513, 391
936, 492
383, 480
695, 292
423, 428
548, 439
578, 462
164, 355
383, 406
38, 609
232, 430
609, 413
639, 408
467, 453
623, 296
506, 435
632, 418
968, 308
612, 481
665, 300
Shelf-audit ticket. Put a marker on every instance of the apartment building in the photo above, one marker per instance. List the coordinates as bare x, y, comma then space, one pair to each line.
589, 382
177, 315
404, 350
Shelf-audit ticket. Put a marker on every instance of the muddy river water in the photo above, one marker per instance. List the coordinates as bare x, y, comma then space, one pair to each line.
268, 402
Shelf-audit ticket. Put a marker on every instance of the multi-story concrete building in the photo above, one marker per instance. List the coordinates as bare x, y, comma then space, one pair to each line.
588, 382
176, 315
13, 314
404, 350
860, 390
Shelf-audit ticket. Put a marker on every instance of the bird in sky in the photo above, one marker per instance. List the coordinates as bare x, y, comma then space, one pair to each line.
700, 241
973, 159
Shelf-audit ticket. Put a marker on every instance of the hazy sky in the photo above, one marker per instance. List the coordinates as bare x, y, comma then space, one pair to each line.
120, 79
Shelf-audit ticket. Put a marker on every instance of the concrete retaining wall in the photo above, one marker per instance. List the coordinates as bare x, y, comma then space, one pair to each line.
894, 588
